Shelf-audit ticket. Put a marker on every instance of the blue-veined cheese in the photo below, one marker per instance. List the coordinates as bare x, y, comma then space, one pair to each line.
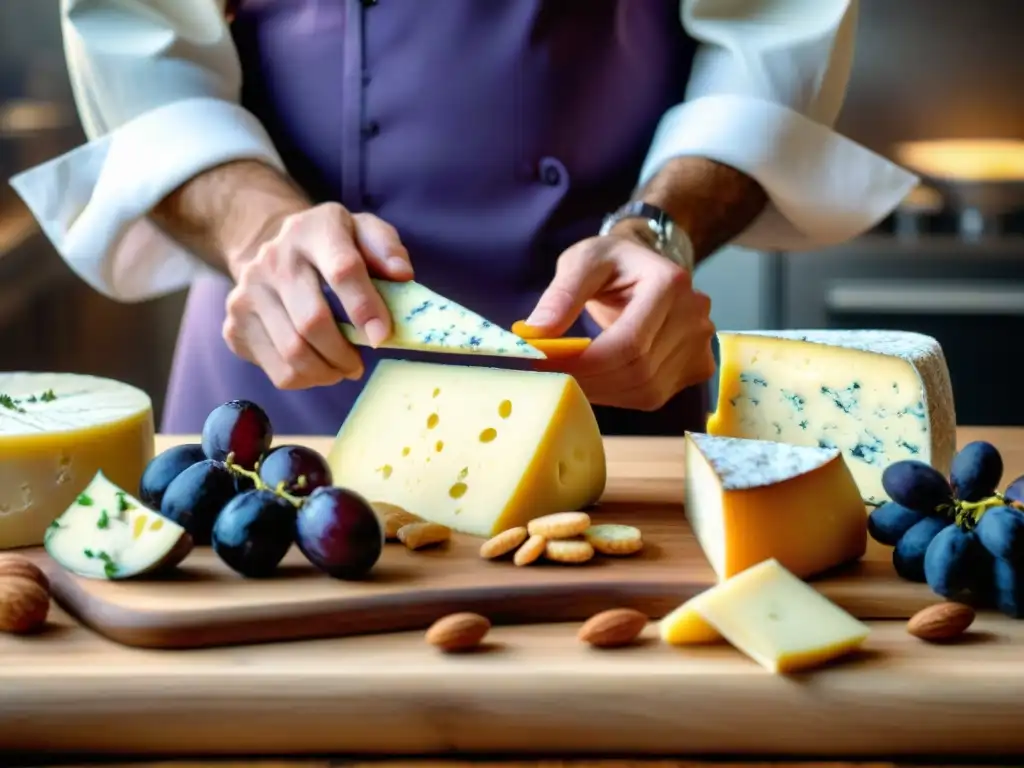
425, 320
751, 500
479, 450
878, 396
57, 430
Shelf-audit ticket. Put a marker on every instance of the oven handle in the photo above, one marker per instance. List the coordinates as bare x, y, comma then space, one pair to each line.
937, 298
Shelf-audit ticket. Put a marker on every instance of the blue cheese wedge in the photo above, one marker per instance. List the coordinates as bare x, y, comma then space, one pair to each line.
877, 396
426, 321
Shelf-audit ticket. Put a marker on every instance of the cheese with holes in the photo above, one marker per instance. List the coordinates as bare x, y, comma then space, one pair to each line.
479, 450
107, 533
779, 621
684, 626
425, 320
56, 432
878, 396
750, 500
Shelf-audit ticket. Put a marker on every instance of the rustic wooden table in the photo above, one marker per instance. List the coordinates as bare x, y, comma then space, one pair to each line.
76, 690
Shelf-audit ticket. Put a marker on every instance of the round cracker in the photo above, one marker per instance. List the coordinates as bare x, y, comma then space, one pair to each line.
531, 551
569, 551
560, 525
503, 543
614, 539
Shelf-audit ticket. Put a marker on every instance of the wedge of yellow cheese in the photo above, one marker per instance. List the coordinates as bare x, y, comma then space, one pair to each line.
750, 500
779, 621
479, 450
685, 626
57, 430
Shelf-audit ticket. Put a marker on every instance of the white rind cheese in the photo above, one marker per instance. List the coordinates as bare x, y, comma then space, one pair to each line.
425, 320
878, 396
57, 431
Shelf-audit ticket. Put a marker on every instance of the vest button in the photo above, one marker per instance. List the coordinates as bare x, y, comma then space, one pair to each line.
371, 129
551, 172
369, 3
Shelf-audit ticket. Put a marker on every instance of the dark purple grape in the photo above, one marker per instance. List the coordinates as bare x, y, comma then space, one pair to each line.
1008, 588
1015, 491
238, 427
955, 563
338, 532
909, 552
888, 523
1001, 531
976, 471
163, 468
254, 532
196, 496
302, 470
916, 485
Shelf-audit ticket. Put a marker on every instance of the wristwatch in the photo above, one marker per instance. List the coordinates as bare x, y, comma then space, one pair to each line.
665, 237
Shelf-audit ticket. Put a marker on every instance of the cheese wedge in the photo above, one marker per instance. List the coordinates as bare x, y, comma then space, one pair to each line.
107, 533
750, 500
878, 396
479, 450
56, 431
779, 621
685, 626
425, 320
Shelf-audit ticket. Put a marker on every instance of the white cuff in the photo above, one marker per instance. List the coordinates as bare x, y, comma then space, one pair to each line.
92, 202
824, 188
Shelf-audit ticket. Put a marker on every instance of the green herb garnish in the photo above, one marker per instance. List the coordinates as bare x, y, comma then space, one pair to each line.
84, 500
104, 521
48, 396
123, 505
109, 566
10, 404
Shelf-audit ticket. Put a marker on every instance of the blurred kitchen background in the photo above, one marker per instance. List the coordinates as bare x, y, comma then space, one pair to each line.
949, 264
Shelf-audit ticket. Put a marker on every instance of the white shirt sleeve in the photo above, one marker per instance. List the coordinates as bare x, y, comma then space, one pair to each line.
766, 87
157, 85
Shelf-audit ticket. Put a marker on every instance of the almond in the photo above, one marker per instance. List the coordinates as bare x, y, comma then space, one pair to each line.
24, 605
458, 631
612, 629
17, 565
420, 535
942, 621
392, 518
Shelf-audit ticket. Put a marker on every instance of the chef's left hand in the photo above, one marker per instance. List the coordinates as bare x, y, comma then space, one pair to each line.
656, 329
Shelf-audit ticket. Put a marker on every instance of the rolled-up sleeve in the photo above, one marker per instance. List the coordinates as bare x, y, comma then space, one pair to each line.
767, 84
157, 85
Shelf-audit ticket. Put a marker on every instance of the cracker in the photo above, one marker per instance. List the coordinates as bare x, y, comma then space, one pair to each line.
531, 551
569, 551
560, 525
503, 543
419, 535
612, 539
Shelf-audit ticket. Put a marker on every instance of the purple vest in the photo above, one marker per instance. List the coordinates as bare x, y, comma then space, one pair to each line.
491, 133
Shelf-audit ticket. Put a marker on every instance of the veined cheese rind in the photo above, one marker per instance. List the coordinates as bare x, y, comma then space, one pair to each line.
57, 430
425, 320
750, 500
878, 396
778, 620
479, 450
685, 626
107, 533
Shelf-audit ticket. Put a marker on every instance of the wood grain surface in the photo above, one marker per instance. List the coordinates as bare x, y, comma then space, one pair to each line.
532, 691
203, 603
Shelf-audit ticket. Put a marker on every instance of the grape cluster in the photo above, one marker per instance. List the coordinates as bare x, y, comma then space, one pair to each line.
251, 502
961, 535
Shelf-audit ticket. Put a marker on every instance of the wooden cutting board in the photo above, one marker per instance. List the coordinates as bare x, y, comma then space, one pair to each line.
206, 604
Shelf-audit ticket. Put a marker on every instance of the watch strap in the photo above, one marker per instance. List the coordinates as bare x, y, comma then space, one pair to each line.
666, 238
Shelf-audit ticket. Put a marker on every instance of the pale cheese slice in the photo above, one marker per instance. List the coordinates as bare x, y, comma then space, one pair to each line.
426, 321
479, 450
57, 430
779, 621
878, 396
749, 500
685, 626
107, 533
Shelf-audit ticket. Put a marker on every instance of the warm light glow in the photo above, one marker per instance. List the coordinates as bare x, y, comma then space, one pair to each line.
965, 159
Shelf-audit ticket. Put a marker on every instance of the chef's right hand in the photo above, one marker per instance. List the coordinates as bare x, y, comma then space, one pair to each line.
277, 316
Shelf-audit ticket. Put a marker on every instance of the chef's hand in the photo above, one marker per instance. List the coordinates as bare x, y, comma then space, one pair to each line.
277, 316
656, 329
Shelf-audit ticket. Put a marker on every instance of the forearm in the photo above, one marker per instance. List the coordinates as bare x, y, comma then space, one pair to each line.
710, 201
223, 215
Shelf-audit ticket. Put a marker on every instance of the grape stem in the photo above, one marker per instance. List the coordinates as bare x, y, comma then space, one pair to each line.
254, 475
966, 514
